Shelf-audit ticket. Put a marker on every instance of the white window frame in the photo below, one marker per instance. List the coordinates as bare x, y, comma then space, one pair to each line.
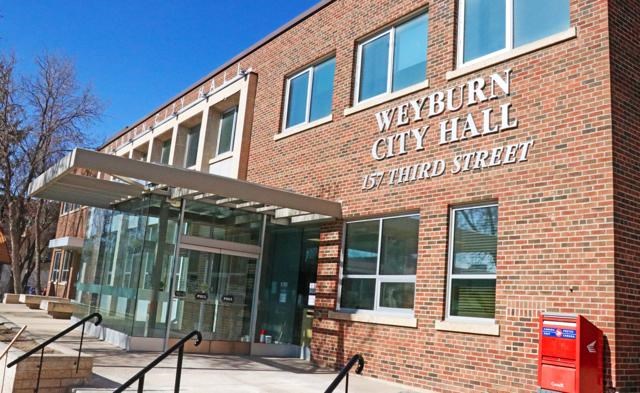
233, 132
65, 268
450, 274
186, 146
307, 118
392, 39
55, 266
379, 278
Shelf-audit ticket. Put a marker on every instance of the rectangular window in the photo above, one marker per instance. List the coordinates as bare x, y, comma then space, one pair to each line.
472, 262
56, 266
69, 207
193, 136
309, 94
490, 26
227, 131
379, 270
66, 265
164, 152
393, 59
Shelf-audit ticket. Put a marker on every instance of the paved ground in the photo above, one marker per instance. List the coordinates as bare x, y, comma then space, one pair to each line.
201, 373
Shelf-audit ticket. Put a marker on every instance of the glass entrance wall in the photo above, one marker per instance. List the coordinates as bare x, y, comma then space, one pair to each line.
287, 289
124, 268
214, 294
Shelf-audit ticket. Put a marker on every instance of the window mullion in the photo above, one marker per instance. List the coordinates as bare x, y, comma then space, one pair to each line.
307, 116
392, 39
460, 48
378, 278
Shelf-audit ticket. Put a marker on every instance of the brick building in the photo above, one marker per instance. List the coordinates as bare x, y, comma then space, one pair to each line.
484, 160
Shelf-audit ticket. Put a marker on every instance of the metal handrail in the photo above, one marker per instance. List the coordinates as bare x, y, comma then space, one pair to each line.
6, 351
180, 346
344, 373
41, 347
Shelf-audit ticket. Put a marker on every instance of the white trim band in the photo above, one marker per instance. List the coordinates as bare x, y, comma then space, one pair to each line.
379, 319
370, 103
485, 329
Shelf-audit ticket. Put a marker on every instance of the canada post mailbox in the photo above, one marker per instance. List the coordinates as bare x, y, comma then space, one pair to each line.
570, 357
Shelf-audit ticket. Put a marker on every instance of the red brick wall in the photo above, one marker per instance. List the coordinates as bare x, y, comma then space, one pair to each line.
556, 211
624, 22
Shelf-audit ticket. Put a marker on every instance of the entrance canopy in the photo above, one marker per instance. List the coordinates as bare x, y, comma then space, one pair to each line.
81, 177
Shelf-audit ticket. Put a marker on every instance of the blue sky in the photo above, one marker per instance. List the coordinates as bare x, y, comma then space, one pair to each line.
138, 53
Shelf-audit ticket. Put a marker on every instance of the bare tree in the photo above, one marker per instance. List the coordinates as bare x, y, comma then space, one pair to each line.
41, 118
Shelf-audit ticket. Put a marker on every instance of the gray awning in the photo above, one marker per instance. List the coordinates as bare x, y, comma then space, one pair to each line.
64, 182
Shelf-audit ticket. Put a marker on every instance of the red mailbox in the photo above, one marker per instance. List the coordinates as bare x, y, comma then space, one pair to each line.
570, 354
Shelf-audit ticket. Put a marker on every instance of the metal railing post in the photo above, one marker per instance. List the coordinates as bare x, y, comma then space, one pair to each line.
176, 387
344, 373
39, 370
179, 346
80, 349
141, 384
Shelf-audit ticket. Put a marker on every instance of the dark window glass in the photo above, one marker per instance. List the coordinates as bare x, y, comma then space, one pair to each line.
193, 136
475, 241
164, 153
361, 255
227, 131
399, 246
358, 293
397, 294
473, 298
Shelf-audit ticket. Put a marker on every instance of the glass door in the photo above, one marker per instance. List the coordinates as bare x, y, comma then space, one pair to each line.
214, 294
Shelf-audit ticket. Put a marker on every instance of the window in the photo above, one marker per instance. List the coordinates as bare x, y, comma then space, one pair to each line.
193, 136
64, 271
56, 266
227, 131
164, 152
472, 262
393, 60
309, 94
490, 26
69, 207
379, 271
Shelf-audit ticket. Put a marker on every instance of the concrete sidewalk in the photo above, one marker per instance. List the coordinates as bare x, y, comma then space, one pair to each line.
201, 373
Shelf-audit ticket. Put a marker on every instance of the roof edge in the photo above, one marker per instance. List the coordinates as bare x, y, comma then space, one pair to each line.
271, 36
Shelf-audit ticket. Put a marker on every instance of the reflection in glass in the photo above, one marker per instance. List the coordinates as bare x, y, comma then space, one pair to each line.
397, 294
288, 277
399, 246
124, 266
484, 27
358, 293
361, 250
227, 131
192, 146
164, 152
410, 53
475, 241
322, 89
216, 294
536, 19
374, 67
297, 104
473, 298
221, 223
